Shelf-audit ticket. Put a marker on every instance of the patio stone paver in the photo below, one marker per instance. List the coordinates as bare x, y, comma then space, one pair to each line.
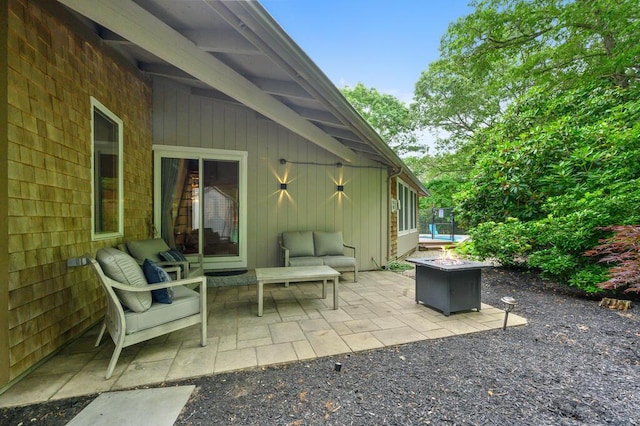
304, 350
157, 352
143, 373
315, 324
388, 322
286, 332
458, 326
398, 336
236, 359
276, 354
336, 315
253, 332
362, 341
194, 361
327, 342
419, 323
439, 333
359, 326
379, 310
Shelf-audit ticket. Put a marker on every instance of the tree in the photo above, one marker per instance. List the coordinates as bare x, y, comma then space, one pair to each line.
391, 118
495, 55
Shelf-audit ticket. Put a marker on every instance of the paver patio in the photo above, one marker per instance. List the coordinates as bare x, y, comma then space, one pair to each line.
379, 310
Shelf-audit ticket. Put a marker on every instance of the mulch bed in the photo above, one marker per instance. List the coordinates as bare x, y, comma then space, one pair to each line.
575, 363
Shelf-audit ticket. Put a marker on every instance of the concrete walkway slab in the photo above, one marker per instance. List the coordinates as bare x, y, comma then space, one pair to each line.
158, 407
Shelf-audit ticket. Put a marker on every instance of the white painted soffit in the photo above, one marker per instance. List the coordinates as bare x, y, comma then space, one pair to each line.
135, 24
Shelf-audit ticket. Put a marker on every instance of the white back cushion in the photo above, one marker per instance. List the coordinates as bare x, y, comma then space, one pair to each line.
123, 268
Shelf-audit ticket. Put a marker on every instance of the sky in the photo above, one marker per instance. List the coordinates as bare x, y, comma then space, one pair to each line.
384, 44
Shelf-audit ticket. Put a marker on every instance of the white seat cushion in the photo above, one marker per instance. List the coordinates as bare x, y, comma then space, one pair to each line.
305, 261
339, 261
186, 302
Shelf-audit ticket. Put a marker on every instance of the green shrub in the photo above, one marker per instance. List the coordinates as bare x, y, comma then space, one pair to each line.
396, 265
589, 277
553, 263
507, 242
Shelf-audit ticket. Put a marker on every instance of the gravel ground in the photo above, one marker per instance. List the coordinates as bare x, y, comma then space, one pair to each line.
575, 363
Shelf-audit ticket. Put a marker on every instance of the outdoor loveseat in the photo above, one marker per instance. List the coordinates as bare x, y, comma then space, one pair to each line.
313, 248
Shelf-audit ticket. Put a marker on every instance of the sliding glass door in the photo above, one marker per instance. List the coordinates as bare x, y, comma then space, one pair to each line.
200, 203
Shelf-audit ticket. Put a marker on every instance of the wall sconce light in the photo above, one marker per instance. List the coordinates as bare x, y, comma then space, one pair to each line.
283, 186
340, 188
509, 303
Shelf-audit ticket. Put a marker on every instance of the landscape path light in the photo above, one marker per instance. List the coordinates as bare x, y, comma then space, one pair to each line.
509, 303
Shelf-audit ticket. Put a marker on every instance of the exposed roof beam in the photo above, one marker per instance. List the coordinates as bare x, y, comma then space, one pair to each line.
165, 70
221, 41
341, 133
320, 117
134, 23
107, 35
359, 146
282, 88
214, 94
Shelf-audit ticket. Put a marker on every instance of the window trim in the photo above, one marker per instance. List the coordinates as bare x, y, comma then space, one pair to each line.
407, 205
97, 236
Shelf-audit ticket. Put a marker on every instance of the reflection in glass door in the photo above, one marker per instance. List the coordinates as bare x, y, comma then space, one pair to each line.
200, 208
220, 208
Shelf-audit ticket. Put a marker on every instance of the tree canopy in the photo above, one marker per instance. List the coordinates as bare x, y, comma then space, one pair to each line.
505, 47
541, 103
391, 118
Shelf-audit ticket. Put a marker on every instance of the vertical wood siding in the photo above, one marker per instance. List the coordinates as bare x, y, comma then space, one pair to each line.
311, 201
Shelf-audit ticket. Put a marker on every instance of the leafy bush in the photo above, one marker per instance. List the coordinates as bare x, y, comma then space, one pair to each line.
553, 263
562, 166
507, 242
588, 278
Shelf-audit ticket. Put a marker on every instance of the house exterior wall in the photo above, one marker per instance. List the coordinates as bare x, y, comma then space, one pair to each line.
405, 243
4, 244
393, 221
311, 201
53, 68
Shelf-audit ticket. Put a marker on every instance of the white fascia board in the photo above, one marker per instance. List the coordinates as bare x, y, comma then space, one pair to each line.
126, 18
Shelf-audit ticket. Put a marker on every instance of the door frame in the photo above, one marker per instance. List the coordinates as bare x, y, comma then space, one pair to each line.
201, 154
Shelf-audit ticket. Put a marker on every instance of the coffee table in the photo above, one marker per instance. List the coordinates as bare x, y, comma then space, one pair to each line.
297, 274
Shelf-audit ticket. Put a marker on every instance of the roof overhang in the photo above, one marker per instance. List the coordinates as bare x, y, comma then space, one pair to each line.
235, 51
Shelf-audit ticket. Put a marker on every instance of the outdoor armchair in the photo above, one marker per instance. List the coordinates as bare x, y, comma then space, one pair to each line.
132, 316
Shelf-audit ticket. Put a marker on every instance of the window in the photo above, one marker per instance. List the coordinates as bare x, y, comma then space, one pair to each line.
107, 182
407, 206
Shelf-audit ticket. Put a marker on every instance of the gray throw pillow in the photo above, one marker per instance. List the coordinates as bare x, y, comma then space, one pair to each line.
328, 243
299, 243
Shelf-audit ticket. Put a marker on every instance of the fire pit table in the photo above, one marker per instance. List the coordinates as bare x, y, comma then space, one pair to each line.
449, 285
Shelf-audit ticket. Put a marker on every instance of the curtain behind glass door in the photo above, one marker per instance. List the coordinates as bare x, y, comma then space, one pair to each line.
179, 203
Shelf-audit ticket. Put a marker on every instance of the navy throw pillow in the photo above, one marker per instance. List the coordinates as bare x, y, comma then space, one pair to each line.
155, 275
173, 255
